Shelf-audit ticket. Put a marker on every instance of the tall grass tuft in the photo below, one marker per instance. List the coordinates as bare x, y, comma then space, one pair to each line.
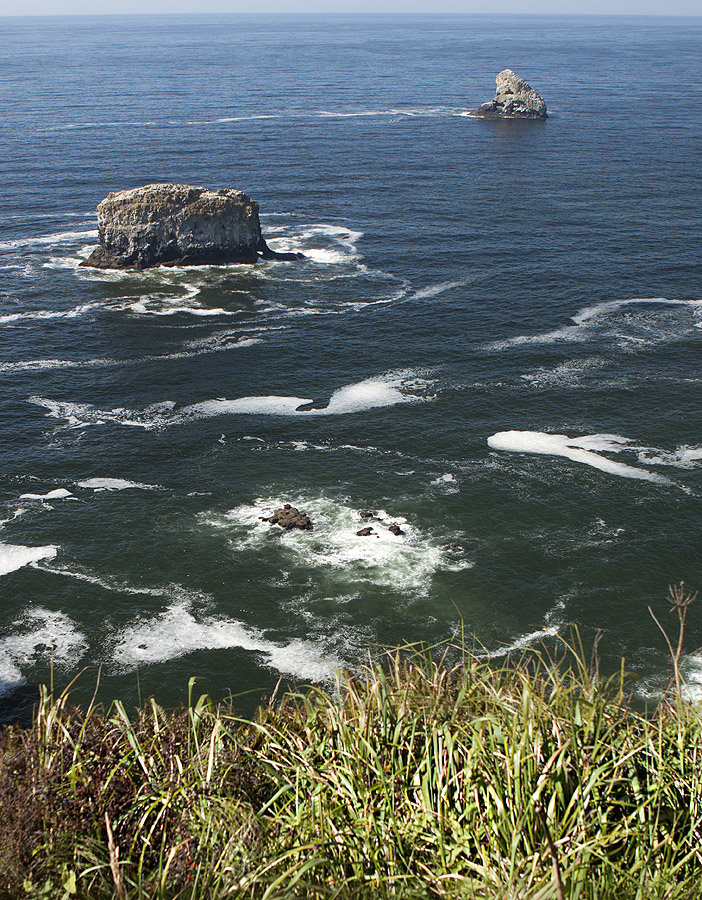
413, 778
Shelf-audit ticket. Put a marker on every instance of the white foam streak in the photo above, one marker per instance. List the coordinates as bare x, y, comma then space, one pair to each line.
433, 290
16, 514
47, 314
115, 484
57, 494
14, 556
173, 592
62, 237
578, 450
213, 344
605, 315
428, 111
372, 393
526, 640
605, 309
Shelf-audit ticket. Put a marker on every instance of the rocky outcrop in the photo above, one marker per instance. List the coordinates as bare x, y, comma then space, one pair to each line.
178, 224
368, 531
289, 517
514, 99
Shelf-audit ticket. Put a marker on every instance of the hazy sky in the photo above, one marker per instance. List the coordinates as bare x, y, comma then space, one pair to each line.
608, 7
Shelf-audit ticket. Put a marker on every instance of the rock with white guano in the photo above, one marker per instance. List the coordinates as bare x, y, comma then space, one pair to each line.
514, 99
178, 224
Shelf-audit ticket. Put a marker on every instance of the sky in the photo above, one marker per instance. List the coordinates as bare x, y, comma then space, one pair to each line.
573, 7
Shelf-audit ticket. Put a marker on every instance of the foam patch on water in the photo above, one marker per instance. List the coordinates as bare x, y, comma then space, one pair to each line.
372, 393
177, 632
447, 482
692, 673
15, 556
40, 635
654, 688
321, 243
631, 323
569, 373
684, 457
405, 562
115, 484
57, 494
580, 450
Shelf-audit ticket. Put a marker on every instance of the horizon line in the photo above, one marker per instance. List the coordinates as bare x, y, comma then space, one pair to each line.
348, 14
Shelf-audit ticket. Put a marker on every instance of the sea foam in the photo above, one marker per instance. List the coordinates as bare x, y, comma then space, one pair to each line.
177, 631
605, 321
404, 562
372, 393
114, 484
56, 494
15, 556
581, 450
62, 237
38, 634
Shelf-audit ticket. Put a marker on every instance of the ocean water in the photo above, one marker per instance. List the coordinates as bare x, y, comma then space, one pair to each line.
494, 340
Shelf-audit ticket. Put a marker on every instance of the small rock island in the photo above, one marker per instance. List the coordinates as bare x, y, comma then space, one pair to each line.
514, 99
179, 225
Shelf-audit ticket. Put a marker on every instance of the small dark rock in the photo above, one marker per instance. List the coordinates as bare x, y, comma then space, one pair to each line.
367, 515
365, 532
453, 547
395, 529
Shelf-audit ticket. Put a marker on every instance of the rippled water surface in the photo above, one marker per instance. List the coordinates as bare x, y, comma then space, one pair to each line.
494, 340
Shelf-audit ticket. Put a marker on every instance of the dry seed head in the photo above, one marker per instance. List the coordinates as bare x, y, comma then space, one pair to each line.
678, 598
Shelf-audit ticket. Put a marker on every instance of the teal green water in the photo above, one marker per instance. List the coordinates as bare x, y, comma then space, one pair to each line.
472, 290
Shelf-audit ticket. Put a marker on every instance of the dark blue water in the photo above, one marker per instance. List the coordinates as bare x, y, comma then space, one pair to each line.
494, 340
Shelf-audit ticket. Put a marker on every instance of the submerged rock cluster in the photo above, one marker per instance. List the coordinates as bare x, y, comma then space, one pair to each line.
514, 99
178, 224
369, 531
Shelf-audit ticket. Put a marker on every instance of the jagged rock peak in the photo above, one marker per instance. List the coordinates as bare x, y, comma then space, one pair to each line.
178, 224
514, 99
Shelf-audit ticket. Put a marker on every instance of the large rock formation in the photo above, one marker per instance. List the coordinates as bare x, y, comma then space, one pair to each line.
514, 99
178, 224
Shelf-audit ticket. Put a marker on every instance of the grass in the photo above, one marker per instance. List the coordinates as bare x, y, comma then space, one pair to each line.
414, 778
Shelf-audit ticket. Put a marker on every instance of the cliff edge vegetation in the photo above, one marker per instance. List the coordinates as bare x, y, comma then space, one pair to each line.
413, 778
